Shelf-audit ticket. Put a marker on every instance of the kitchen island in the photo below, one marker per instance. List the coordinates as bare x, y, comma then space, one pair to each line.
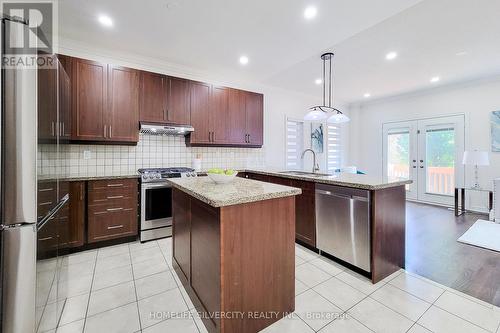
357, 220
233, 250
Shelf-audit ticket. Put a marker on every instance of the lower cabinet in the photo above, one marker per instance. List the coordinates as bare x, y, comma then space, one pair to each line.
112, 209
305, 209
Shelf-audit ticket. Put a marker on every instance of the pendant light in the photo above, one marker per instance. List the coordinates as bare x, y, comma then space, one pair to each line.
326, 111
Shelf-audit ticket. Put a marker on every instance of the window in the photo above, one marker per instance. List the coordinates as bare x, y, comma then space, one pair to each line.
333, 153
294, 144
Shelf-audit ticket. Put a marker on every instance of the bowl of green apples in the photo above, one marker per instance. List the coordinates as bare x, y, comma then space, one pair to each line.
221, 176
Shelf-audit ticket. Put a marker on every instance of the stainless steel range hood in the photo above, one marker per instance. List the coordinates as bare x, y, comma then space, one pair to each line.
157, 129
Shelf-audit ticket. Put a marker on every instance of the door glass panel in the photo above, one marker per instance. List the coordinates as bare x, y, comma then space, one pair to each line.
398, 156
440, 161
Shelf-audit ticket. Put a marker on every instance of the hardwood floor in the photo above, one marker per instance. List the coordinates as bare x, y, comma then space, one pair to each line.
432, 251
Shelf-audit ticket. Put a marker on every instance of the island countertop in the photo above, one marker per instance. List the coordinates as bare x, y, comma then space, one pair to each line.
239, 191
365, 182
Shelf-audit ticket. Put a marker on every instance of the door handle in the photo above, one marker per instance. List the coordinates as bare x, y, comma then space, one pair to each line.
105, 131
115, 227
110, 131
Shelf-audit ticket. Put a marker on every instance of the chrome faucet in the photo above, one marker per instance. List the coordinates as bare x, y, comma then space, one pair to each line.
315, 165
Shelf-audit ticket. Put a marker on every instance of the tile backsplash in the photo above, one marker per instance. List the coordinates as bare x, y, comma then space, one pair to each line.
150, 152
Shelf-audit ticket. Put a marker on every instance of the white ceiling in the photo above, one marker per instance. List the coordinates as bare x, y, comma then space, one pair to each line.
427, 38
284, 48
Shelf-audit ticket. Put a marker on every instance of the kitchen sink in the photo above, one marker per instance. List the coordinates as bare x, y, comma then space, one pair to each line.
305, 173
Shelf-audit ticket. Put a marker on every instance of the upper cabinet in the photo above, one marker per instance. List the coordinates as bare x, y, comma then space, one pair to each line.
254, 109
245, 117
178, 110
89, 99
199, 96
153, 97
123, 104
105, 102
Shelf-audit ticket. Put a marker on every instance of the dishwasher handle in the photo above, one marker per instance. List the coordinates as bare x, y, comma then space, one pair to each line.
341, 195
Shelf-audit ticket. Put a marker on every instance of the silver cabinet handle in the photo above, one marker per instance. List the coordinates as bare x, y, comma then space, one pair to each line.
249, 138
115, 197
46, 238
45, 190
115, 185
115, 227
105, 131
114, 209
100, 213
110, 131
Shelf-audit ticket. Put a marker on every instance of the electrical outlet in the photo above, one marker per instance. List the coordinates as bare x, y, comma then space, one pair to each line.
87, 155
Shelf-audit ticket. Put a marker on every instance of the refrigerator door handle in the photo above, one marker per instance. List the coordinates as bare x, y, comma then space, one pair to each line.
52, 212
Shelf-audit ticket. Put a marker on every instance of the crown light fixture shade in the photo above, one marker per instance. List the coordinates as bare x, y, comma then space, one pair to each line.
476, 159
327, 111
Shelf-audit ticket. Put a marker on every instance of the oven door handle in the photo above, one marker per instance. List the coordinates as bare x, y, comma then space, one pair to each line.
150, 186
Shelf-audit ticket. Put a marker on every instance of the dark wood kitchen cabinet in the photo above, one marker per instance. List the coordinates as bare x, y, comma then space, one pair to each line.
254, 109
305, 209
199, 94
77, 213
153, 97
305, 212
209, 114
178, 108
89, 87
123, 104
245, 114
64, 77
111, 209
105, 102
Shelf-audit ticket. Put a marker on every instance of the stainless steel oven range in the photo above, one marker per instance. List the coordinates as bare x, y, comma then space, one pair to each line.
156, 201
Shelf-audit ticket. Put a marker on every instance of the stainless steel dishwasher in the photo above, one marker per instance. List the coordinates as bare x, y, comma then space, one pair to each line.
343, 224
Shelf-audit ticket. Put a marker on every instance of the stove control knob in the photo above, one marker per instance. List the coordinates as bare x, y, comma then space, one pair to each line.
188, 175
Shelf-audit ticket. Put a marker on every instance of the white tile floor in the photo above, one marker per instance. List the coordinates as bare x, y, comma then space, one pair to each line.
115, 289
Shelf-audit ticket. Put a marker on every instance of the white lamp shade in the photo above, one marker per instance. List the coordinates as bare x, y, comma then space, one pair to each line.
476, 158
338, 118
315, 115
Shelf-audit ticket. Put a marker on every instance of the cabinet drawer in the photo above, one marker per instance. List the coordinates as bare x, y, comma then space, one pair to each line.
112, 223
113, 184
117, 205
111, 196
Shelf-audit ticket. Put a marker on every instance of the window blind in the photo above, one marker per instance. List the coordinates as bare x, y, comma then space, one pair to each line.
333, 153
294, 144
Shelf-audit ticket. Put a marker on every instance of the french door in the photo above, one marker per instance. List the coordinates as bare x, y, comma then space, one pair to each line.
429, 152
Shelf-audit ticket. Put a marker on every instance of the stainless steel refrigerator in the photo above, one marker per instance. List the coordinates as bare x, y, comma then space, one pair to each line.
29, 170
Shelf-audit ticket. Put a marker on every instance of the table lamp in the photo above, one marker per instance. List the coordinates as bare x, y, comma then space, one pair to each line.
476, 158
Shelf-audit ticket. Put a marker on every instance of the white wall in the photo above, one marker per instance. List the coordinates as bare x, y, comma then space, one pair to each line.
277, 102
476, 100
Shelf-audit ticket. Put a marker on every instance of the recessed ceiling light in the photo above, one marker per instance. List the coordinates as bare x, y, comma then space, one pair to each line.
391, 55
367, 95
435, 79
310, 12
243, 60
318, 81
105, 20
461, 53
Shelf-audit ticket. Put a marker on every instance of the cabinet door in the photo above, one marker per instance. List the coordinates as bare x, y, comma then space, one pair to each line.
237, 117
305, 213
89, 99
200, 104
47, 103
219, 103
181, 231
153, 97
76, 226
64, 75
254, 105
123, 104
178, 101
206, 256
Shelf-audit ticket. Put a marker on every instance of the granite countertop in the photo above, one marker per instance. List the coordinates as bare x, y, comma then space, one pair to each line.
364, 182
239, 191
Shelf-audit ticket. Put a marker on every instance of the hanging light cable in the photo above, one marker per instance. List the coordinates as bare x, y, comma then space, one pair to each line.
327, 111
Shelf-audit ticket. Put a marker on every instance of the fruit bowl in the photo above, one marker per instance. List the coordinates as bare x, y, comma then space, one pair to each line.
222, 177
